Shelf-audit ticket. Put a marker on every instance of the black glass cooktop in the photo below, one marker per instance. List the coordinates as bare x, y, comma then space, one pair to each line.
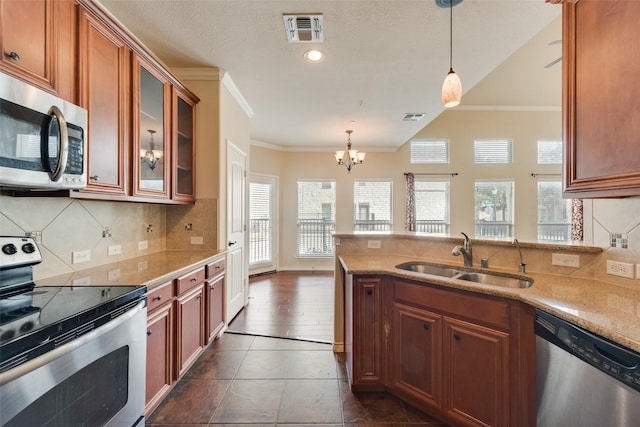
42, 318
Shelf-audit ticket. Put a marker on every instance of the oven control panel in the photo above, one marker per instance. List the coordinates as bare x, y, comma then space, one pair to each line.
18, 251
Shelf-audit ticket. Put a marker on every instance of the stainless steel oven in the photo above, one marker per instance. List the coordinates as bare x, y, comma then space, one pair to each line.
42, 139
69, 355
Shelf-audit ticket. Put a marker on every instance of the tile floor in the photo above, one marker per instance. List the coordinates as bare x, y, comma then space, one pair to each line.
244, 379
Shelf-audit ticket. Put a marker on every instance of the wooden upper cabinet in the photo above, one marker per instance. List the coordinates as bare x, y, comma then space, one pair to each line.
104, 64
151, 131
600, 96
183, 120
38, 40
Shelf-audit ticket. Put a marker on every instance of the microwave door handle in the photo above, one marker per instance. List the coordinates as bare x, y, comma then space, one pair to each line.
64, 144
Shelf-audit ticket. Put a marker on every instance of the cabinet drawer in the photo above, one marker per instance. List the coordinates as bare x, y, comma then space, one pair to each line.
188, 281
159, 296
215, 268
481, 309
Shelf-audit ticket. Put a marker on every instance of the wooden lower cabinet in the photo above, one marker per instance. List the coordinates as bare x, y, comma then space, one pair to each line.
183, 316
363, 336
215, 320
417, 346
189, 328
160, 332
463, 357
476, 374
159, 355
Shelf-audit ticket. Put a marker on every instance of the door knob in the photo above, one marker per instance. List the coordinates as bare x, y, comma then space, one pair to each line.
232, 243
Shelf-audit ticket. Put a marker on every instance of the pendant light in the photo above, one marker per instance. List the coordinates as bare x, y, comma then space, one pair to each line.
452, 86
351, 157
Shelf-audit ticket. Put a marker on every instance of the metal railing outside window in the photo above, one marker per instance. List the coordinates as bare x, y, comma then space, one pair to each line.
259, 240
372, 225
493, 229
558, 232
432, 226
315, 237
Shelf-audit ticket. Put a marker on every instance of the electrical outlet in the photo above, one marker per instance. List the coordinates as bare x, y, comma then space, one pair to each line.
82, 281
35, 235
622, 269
197, 240
114, 250
188, 227
373, 244
565, 260
142, 245
81, 256
113, 274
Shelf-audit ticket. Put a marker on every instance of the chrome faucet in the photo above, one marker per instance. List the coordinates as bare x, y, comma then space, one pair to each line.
465, 250
522, 267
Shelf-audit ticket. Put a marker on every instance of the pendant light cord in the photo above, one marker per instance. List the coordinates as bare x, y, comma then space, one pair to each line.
450, 34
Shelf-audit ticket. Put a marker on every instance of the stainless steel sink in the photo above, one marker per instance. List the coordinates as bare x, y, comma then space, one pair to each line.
494, 279
470, 276
424, 268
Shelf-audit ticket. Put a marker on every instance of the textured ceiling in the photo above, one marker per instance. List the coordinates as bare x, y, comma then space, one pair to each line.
383, 59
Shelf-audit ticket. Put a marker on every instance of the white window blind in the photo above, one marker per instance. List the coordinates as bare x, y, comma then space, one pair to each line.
554, 212
494, 206
430, 151
372, 205
493, 150
316, 218
549, 152
432, 206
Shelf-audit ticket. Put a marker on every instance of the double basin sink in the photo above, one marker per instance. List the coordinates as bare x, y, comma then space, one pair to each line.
484, 278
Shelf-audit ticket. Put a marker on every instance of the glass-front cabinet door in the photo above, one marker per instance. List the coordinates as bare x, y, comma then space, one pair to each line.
151, 130
183, 147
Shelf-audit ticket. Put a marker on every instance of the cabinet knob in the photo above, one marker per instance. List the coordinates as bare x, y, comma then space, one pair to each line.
158, 298
369, 291
194, 279
426, 326
149, 333
94, 178
14, 56
456, 337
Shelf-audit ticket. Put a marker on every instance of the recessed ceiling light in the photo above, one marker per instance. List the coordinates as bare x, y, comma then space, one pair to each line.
314, 55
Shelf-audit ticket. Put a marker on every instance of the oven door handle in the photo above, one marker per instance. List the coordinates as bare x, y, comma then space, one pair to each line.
38, 362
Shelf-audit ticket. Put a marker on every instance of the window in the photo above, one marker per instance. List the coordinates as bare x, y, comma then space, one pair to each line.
316, 218
549, 152
432, 206
493, 150
372, 210
494, 209
430, 151
554, 212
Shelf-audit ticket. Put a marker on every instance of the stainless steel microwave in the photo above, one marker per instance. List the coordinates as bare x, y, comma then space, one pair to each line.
42, 139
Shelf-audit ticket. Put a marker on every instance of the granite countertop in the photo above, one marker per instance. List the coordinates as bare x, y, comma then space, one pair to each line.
149, 270
605, 309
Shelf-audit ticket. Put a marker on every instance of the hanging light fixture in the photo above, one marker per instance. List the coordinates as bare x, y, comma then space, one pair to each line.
151, 156
452, 86
353, 157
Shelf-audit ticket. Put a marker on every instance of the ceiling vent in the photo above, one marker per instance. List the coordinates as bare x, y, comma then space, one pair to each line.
412, 117
303, 28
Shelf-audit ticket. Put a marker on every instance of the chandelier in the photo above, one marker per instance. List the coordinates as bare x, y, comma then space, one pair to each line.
354, 157
151, 156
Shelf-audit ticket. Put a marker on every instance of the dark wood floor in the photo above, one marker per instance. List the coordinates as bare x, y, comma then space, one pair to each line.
289, 304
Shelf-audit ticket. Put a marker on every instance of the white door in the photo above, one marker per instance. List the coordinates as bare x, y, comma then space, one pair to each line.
236, 230
263, 230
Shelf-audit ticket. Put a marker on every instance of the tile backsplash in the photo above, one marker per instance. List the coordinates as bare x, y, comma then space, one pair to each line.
63, 225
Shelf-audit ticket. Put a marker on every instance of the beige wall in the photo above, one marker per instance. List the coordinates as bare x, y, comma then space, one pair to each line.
460, 127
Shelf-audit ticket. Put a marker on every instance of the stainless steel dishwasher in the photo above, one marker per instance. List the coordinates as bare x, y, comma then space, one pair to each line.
583, 379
